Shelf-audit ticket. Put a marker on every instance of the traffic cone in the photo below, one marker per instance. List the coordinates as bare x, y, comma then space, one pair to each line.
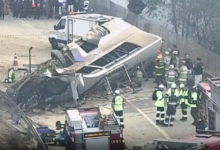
15, 61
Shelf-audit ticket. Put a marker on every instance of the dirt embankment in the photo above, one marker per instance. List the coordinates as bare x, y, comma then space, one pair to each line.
10, 138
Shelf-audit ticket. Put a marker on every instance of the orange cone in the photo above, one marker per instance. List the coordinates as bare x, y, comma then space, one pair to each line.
15, 61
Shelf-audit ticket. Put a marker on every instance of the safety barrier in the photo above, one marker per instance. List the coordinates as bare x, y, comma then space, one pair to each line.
31, 129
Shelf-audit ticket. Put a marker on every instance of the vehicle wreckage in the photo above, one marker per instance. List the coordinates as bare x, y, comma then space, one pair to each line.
108, 48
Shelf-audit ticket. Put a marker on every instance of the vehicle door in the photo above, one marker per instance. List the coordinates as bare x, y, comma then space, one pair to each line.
61, 32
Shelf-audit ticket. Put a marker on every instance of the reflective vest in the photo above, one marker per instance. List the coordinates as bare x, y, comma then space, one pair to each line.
184, 94
11, 75
183, 74
171, 76
118, 106
159, 69
169, 92
160, 99
194, 97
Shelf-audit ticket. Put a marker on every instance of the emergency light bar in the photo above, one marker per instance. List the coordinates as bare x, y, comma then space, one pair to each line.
76, 13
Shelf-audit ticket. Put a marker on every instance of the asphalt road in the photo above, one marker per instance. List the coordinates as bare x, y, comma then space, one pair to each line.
139, 110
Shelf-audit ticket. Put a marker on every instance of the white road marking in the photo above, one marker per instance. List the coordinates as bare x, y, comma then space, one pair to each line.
150, 120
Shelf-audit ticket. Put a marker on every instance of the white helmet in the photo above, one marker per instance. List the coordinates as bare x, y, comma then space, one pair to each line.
117, 92
173, 85
182, 85
161, 86
171, 66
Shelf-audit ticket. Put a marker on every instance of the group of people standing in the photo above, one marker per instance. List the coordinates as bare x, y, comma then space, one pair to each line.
170, 71
46, 8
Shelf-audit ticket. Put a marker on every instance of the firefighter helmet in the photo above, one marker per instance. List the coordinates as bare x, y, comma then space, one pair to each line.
173, 85
171, 66
167, 52
161, 86
117, 92
182, 85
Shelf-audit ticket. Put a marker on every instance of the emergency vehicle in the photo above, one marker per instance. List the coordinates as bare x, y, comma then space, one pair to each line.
206, 140
210, 96
92, 129
78, 23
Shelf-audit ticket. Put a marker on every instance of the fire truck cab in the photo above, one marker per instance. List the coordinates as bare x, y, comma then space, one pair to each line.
92, 129
210, 100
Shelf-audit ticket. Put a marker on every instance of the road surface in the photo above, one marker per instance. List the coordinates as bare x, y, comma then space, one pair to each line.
139, 110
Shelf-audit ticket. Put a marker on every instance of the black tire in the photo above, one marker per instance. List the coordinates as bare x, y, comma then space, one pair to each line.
54, 44
59, 56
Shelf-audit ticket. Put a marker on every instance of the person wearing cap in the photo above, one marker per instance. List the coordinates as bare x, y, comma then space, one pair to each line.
183, 97
159, 72
198, 70
193, 103
118, 106
160, 104
171, 75
183, 73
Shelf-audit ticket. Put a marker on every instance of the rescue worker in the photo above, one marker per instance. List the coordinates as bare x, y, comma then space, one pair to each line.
183, 73
198, 70
188, 62
183, 97
193, 102
159, 55
167, 61
159, 71
173, 91
172, 103
11, 75
139, 76
118, 106
175, 61
160, 104
171, 76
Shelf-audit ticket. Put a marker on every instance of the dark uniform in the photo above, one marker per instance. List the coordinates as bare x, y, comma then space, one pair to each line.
193, 101
171, 110
2, 9
183, 96
201, 125
118, 105
159, 72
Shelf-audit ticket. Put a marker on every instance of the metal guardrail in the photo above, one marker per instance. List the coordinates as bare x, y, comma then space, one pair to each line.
31, 129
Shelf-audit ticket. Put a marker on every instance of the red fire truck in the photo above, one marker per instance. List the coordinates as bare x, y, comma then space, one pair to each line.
92, 129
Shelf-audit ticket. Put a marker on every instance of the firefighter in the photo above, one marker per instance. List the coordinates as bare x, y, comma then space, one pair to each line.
159, 55
159, 71
118, 106
183, 97
183, 74
193, 102
160, 104
171, 76
167, 61
139, 76
11, 75
172, 103
175, 60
